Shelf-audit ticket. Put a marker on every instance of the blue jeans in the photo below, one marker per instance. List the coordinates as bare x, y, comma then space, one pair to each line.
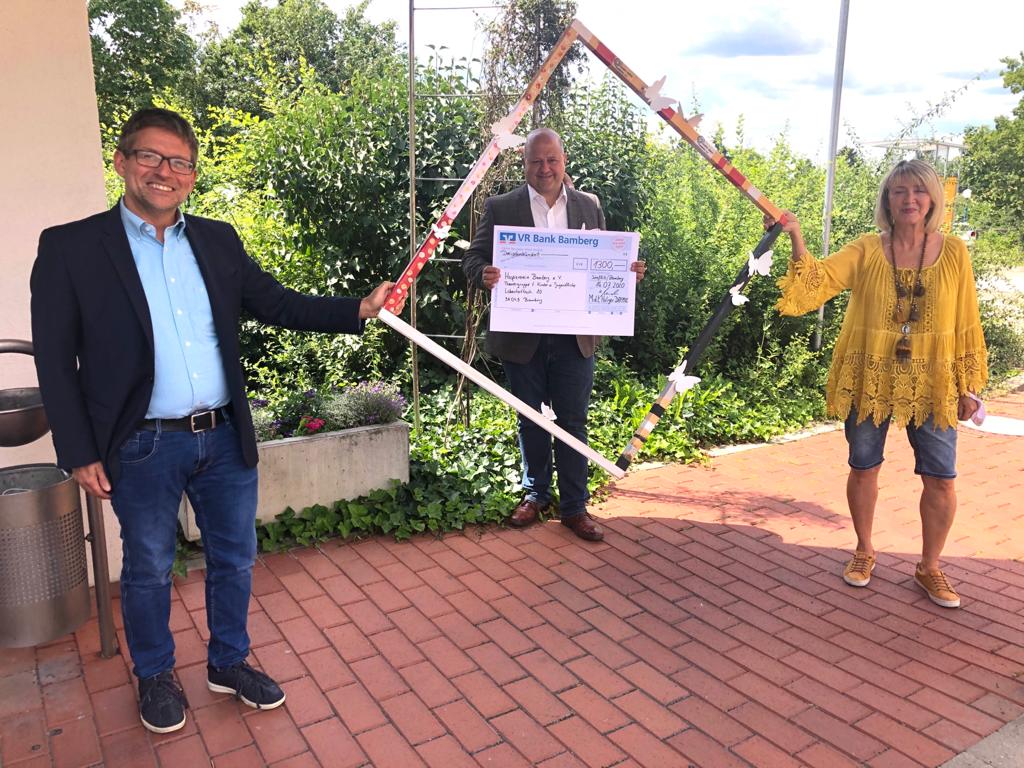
156, 468
561, 377
934, 449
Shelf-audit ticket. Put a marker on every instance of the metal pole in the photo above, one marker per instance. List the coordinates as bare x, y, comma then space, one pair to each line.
833, 139
536, 66
412, 211
101, 575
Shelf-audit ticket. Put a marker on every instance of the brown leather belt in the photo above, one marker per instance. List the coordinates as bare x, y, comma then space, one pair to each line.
200, 421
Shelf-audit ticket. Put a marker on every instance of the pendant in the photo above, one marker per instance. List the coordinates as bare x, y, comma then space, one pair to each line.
919, 289
905, 329
913, 313
903, 348
897, 313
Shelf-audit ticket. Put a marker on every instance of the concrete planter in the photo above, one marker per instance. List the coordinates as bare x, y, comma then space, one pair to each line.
298, 472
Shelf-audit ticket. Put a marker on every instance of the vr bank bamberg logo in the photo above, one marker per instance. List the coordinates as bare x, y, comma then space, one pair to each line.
506, 237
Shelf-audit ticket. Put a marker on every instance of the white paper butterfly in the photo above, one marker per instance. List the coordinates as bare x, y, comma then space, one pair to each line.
546, 410
509, 140
502, 133
738, 299
653, 95
507, 124
441, 232
681, 380
761, 265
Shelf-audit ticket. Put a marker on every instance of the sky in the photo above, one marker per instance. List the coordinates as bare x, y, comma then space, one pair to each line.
773, 62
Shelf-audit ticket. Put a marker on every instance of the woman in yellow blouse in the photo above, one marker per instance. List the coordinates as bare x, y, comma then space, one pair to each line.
910, 350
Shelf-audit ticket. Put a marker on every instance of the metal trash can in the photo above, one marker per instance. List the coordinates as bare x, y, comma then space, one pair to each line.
44, 583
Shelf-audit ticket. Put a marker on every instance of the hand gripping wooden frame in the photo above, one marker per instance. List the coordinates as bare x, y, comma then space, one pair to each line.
503, 138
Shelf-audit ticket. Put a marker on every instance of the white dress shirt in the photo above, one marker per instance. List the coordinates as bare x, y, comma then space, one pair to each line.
548, 216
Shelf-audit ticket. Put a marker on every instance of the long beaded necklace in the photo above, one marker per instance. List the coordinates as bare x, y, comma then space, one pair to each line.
902, 292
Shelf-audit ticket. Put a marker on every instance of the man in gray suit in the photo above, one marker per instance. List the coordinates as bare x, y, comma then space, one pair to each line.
556, 369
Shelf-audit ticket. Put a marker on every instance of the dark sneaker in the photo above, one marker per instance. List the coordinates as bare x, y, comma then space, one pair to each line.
162, 703
249, 685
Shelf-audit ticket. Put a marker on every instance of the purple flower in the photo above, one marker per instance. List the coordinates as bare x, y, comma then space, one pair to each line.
259, 402
310, 393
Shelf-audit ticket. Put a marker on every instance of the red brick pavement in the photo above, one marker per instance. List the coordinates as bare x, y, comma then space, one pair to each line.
709, 629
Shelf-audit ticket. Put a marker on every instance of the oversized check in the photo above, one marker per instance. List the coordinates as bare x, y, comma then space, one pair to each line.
564, 281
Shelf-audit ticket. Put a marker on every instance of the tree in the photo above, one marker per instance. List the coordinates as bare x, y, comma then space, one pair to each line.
994, 162
270, 47
138, 48
319, 194
518, 42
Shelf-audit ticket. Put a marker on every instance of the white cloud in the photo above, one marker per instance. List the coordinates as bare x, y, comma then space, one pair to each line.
772, 61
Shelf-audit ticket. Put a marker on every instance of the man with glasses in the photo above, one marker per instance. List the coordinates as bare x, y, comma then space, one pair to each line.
135, 316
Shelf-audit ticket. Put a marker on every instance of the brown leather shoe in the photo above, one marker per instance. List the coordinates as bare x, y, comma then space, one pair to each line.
585, 526
526, 513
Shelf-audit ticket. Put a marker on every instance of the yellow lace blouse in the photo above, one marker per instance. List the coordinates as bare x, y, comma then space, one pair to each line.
948, 355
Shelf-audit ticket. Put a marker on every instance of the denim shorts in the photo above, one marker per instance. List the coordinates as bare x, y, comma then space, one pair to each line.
934, 449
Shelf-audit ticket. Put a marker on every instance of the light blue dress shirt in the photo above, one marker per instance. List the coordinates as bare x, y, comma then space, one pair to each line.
189, 372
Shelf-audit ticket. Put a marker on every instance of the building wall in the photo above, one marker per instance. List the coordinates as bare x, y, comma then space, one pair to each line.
53, 169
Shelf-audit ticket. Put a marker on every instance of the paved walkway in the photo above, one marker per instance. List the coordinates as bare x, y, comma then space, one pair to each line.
709, 629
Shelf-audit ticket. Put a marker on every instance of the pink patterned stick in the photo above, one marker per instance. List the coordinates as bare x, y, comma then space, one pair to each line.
503, 129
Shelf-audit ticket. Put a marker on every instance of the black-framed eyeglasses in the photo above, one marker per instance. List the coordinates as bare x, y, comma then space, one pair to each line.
149, 159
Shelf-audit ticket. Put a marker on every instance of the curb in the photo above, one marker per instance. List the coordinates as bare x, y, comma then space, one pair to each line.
1003, 749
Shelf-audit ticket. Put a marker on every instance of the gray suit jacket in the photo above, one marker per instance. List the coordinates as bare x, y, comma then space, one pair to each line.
513, 209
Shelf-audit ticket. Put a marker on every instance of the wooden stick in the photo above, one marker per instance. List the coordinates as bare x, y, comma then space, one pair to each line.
502, 394
476, 173
677, 121
688, 131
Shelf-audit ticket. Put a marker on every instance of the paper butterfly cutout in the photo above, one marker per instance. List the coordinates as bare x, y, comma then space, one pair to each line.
502, 133
546, 410
738, 299
507, 124
509, 140
760, 265
441, 232
653, 95
681, 380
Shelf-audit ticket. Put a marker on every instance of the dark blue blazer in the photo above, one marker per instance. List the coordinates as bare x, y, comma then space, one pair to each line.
93, 337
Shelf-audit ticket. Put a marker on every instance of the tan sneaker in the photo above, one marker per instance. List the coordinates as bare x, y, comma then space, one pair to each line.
939, 590
858, 570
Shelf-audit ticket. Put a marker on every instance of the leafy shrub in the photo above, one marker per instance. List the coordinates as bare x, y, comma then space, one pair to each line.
310, 411
1002, 318
363, 404
458, 476
264, 421
470, 475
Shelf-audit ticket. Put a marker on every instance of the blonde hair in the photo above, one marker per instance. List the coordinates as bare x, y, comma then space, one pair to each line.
921, 172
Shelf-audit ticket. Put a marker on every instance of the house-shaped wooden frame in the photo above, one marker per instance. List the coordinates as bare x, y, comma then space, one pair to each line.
503, 137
